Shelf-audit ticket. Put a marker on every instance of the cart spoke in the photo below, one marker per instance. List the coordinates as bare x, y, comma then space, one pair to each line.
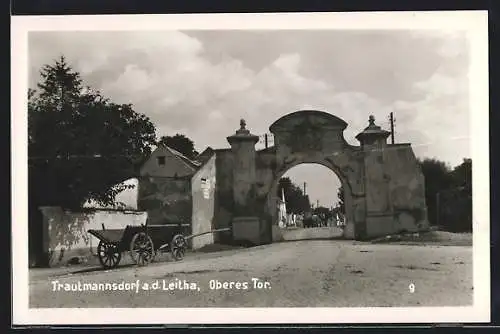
141, 248
109, 255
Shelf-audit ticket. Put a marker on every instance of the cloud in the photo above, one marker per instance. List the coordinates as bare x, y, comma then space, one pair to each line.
438, 125
201, 84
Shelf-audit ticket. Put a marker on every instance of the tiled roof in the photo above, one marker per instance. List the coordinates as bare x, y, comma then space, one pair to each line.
205, 155
191, 163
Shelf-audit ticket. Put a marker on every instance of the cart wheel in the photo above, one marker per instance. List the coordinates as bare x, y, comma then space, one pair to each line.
142, 249
178, 247
108, 254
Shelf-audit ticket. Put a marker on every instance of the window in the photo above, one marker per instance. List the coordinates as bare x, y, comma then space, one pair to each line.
161, 161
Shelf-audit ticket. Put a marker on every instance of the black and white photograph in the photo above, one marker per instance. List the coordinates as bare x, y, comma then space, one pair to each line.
247, 168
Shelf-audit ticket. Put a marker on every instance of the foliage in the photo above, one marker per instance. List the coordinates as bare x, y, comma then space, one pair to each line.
180, 143
323, 213
296, 201
462, 175
81, 145
341, 198
448, 194
321, 210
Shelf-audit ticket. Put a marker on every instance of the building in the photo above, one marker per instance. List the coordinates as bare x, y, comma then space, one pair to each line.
174, 189
234, 189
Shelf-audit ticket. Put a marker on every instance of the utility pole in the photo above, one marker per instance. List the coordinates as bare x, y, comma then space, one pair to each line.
317, 203
391, 120
266, 140
304, 188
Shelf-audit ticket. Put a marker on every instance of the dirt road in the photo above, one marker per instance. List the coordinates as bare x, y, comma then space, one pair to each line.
325, 273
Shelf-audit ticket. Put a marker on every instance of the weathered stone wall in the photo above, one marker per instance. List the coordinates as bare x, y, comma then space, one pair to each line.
266, 176
203, 193
224, 162
406, 188
166, 200
65, 236
316, 137
384, 187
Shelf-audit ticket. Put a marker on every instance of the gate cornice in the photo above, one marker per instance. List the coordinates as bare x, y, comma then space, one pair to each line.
329, 119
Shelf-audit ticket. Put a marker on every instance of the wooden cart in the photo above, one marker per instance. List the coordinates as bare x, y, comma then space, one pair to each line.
142, 242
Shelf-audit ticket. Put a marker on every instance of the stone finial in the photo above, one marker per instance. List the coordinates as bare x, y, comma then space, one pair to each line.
243, 134
371, 120
372, 132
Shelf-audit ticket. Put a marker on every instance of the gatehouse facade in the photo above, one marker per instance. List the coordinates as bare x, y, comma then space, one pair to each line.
383, 183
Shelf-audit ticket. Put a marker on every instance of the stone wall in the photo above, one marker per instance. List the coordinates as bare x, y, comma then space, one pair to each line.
224, 161
313, 137
384, 187
65, 236
203, 186
166, 200
406, 188
266, 198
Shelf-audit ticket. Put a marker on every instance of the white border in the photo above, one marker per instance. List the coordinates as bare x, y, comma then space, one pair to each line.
475, 22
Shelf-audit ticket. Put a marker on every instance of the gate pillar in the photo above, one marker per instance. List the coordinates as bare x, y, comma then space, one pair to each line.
245, 223
379, 215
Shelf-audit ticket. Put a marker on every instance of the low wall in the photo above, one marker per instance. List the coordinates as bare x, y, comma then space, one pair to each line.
312, 233
65, 233
166, 200
223, 196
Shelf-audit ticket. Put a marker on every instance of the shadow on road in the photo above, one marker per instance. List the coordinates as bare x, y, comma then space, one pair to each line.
96, 269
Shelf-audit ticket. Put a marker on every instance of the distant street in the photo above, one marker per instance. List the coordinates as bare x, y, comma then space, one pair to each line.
324, 273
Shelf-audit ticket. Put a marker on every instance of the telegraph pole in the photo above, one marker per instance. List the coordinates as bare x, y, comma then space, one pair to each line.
266, 140
304, 188
391, 120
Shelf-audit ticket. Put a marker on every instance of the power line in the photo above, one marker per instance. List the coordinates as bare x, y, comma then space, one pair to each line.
266, 139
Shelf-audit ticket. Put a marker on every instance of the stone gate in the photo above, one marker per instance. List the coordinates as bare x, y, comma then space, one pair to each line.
383, 183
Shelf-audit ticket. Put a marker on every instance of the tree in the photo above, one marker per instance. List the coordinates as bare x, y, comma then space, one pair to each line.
296, 201
456, 202
181, 144
437, 179
341, 198
448, 194
323, 213
462, 175
81, 146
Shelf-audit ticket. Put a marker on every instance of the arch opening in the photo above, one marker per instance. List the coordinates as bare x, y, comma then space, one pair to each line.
305, 202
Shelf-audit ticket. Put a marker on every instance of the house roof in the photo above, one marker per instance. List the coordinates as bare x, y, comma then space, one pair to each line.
192, 163
205, 155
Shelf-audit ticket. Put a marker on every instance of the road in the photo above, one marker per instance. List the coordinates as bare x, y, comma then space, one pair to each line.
309, 273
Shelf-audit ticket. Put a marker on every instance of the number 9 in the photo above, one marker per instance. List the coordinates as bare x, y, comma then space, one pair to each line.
411, 287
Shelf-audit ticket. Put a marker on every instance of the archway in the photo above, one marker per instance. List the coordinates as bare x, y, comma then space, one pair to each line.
384, 186
332, 176
307, 203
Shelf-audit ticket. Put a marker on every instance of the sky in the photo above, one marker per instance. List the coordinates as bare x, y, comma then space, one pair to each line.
202, 82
